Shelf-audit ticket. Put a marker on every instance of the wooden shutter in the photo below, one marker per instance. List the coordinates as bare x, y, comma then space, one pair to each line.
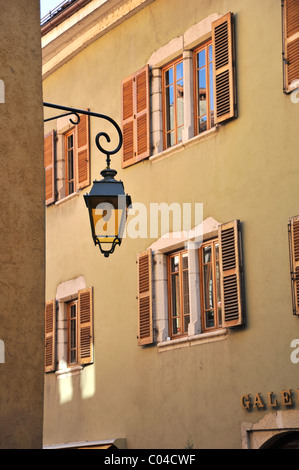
291, 43
224, 68
145, 313
50, 328
82, 141
85, 326
231, 270
49, 162
294, 260
136, 117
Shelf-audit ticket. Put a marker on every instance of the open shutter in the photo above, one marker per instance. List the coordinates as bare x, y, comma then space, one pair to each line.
50, 326
49, 162
85, 322
145, 313
82, 139
294, 261
136, 117
142, 114
291, 43
231, 270
224, 68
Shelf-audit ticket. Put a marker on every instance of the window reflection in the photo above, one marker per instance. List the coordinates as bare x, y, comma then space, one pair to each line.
204, 88
173, 103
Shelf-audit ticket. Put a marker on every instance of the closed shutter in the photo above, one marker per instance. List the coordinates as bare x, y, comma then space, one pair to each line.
145, 313
49, 162
82, 140
294, 260
231, 273
85, 323
50, 327
291, 43
136, 117
224, 68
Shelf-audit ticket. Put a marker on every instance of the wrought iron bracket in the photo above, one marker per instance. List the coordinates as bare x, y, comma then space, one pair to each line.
76, 112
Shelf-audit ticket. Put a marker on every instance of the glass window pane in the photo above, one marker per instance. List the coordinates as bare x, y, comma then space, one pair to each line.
210, 53
201, 59
186, 323
202, 81
175, 263
169, 108
208, 286
179, 71
170, 139
176, 329
175, 289
211, 87
185, 293
180, 134
207, 253
185, 260
180, 103
203, 124
169, 76
210, 322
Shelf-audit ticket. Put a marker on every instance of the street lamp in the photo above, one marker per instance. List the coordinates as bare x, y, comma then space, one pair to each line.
107, 205
107, 202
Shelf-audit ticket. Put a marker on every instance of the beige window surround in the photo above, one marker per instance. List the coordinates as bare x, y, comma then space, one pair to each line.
179, 46
66, 291
160, 248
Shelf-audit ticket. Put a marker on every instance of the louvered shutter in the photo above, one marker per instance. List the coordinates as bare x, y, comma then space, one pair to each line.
291, 43
145, 313
224, 68
136, 117
294, 260
50, 327
231, 271
49, 162
85, 322
82, 140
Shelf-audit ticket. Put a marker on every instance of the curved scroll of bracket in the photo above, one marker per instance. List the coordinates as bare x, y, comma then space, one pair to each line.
77, 112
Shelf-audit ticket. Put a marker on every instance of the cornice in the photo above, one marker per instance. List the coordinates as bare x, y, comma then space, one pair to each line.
85, 26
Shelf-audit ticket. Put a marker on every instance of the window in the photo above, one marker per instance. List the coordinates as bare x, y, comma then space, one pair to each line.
290, 23
173, 103
167, 103
69, 330
188, 293
178, 282
67, 160
204, 97
210, 285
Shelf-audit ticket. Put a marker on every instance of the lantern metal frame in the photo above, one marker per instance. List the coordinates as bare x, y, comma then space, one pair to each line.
107, 187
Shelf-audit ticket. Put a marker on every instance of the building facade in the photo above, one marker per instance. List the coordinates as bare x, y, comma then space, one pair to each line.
22, 227
186, 336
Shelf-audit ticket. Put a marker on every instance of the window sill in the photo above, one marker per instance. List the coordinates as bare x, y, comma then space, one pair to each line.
183, 145
67, 198
192, 340
68, 371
